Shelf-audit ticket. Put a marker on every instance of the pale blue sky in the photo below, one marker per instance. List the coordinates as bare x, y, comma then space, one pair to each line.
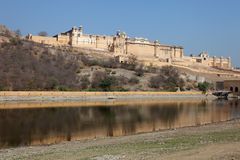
197, 25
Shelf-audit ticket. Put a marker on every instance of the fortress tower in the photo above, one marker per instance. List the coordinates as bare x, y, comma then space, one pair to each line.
75, 33
119, 43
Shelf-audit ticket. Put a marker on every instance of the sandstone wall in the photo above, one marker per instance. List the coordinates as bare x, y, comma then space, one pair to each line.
45, 40
103, 42
140, 50
163, 52
220, 62
63, 40
152, 50
209, 61
233, 86
86, 41
120, 46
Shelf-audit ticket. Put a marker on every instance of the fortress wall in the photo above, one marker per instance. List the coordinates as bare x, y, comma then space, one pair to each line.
168, 52
178, 53
87, 41
140, 50
185, 63
155, 63
45, 40
64, 40
120, 46
212, 61
94, 41
103, 42
163, 52
219, 62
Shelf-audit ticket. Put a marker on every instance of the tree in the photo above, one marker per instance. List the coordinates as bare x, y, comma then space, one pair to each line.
51, 83
18, 33
139, 71
131, 62
107, 83
97, 77
204, 86
133, 80
132, 59
84, 82
102, 80
43, 33
154, 82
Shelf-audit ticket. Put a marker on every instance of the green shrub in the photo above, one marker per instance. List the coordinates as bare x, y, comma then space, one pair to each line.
62, 88
107, 83
1, 88
204, 86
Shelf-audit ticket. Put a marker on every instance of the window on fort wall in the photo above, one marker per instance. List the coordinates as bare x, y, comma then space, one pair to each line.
198, 60
231, 89
236, 89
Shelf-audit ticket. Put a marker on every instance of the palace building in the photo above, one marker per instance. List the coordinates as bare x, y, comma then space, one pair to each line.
121, 46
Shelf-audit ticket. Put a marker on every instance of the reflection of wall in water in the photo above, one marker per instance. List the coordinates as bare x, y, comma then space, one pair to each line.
36, 126
178, 115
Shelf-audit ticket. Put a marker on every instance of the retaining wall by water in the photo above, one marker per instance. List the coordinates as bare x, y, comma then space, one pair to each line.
52, 96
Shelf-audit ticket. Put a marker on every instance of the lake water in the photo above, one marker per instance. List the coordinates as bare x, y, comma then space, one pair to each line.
46, 123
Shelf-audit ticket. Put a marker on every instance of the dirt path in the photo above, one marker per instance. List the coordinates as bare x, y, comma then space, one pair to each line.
214, 141
228, 151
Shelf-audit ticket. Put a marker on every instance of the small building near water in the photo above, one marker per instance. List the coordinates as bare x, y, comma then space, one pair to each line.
232, 86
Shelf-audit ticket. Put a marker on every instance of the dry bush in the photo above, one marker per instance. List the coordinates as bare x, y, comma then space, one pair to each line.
29, 66
84, 81
133, 80
106, 82
139, 70
167, 79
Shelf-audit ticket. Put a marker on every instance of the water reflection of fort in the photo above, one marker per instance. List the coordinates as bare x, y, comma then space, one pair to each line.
51, 125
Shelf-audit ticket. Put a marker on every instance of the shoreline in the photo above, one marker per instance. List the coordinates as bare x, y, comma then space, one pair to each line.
96, 103
93, 96
178, 143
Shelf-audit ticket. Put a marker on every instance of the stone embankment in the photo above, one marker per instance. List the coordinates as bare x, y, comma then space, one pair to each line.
83, 96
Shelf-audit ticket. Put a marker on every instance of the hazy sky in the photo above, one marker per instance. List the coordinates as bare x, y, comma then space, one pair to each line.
197, 25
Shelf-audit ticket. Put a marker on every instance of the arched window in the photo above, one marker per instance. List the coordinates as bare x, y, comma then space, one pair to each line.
236, 89
231, 89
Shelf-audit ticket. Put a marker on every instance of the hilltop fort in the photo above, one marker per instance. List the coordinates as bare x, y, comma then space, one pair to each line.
149, 53
73, 60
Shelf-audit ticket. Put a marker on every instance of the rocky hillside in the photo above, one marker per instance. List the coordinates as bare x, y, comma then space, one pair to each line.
5, 34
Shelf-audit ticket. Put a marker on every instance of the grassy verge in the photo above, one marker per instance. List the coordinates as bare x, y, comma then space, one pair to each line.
146, 148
